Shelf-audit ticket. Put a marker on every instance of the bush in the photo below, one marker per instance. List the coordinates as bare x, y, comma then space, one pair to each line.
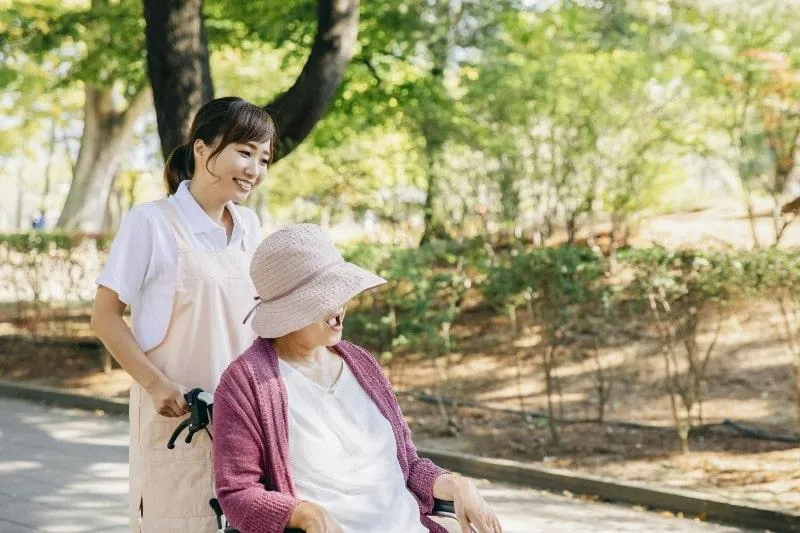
49, 269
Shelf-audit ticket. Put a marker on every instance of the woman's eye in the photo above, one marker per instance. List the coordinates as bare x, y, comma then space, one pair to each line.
244, 153
265, 162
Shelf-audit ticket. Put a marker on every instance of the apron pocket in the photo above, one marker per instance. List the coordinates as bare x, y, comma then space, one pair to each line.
159, 432
178, 489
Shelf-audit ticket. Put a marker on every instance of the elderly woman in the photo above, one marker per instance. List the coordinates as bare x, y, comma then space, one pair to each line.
308, 433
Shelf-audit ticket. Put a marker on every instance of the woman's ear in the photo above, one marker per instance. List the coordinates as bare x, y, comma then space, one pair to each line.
199, 148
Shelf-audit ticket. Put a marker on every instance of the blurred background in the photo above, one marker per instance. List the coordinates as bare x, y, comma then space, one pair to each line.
585, 208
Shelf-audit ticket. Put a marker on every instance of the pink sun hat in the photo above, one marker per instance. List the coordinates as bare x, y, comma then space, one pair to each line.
301, 277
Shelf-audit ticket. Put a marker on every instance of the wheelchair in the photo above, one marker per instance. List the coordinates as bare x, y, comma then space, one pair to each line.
201, 406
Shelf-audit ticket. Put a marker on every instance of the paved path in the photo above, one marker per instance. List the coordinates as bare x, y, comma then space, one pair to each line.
65, 471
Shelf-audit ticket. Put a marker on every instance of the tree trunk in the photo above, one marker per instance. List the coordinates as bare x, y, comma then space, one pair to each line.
549, 363
178, 66
51, 152
113, 210
509, 192
177, 59
429, 221
105, 133
20, 194
751, 217
796, 364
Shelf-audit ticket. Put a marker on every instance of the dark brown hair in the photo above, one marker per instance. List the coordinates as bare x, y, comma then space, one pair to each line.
223, 121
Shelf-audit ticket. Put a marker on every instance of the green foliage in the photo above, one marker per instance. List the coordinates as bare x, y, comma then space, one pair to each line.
558, 278
43, 242
769, 273
102, 44
369, 256
568, 289
512, 116
426, 291
691, 278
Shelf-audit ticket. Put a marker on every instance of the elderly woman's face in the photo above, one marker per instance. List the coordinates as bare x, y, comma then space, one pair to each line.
325, 332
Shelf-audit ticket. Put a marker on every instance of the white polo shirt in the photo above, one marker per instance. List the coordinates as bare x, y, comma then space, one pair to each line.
343, 456
143, 260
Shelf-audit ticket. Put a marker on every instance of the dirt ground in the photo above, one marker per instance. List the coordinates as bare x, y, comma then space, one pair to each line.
750, 380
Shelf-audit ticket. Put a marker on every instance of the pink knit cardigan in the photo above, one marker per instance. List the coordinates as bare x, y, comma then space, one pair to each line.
251, 439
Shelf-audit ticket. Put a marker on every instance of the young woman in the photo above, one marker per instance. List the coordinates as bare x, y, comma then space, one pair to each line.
181, 263
307, 430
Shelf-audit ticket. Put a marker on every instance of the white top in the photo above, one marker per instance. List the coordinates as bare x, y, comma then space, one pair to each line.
343, 456
143, 260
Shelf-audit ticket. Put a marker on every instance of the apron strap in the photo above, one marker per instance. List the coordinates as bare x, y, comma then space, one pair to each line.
181, 235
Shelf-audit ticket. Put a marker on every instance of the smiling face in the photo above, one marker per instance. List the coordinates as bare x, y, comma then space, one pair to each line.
325, 332
233, 172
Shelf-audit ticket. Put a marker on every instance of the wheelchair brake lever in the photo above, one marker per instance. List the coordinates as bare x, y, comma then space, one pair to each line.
178, 430
192, 430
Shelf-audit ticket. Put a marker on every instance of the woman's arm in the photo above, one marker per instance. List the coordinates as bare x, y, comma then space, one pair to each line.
444, 488
111, 329
422, 472
239, 453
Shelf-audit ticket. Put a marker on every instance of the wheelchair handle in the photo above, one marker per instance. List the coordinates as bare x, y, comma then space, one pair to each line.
201, 408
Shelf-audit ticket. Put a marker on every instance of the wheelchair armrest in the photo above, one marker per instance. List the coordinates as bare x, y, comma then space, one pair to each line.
446, 509
288, 530
443, 507
440, 507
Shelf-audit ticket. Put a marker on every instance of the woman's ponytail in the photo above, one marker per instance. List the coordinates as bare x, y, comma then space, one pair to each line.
179, 167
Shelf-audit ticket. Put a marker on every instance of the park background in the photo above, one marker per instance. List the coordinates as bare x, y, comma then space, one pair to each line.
584, 208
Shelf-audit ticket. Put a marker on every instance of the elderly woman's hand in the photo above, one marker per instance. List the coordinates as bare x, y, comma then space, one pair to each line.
313, 518
470, 507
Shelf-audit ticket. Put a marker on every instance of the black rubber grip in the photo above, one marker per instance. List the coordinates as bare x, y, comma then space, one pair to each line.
443, 506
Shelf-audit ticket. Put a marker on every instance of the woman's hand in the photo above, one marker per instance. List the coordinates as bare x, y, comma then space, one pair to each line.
312, 518
470, 507
168, 398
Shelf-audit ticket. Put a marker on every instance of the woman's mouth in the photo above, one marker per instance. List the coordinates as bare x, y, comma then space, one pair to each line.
244, 185
335, 322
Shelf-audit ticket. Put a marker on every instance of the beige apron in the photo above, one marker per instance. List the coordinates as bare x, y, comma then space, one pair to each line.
170, 489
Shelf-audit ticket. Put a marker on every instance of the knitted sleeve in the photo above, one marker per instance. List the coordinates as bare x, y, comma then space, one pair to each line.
238, 461
422, 472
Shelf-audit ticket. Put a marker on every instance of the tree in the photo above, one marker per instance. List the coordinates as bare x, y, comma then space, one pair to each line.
97, 46
573, 102
178, 67
410, 70
100, 46
748, 69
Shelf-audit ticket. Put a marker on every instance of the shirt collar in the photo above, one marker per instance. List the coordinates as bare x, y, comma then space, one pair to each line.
198, 220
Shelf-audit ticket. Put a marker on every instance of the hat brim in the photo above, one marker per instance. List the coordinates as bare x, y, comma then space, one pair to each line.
313, 301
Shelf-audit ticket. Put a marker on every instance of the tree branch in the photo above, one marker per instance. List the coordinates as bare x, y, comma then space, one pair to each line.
136, 106
303, 105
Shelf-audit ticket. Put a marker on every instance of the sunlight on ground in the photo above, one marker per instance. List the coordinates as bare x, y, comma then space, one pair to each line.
83, 432
13, 467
